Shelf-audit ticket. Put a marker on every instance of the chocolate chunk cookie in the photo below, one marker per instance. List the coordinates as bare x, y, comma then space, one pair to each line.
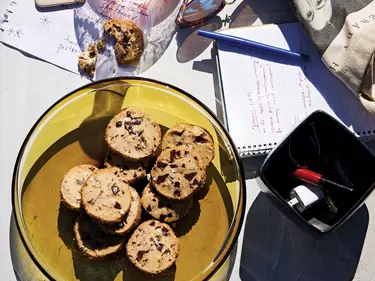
193, 137
177, 173
129, 40
130, 220
71, 185
93, 242
131, 171
163, 209
132, 134
153, 247
106, 196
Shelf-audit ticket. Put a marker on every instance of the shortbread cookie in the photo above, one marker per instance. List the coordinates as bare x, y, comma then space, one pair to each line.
132, 171
106, 196
177, 173
93, 242
130, 220
132, 134
191, 136
129, 40
71, 185
162, 208
87, 60
153, 247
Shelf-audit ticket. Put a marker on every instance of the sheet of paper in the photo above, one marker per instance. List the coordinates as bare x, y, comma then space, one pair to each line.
266, 96
58, 35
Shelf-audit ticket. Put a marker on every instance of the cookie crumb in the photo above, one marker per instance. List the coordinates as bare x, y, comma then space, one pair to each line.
101, 45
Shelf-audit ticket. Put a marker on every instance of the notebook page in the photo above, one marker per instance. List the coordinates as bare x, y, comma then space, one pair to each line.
267, 96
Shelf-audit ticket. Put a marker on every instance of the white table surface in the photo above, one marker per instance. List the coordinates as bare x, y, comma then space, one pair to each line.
269, 247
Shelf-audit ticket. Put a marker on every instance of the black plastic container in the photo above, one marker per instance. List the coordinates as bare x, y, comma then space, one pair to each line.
323, 145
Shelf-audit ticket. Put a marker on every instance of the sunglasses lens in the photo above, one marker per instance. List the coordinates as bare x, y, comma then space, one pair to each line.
200, 9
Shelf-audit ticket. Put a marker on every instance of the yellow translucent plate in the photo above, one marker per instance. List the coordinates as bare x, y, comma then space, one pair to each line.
71, 132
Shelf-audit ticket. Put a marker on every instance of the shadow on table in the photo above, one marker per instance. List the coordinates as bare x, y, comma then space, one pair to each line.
190, 44
169, 8
269, 11
275, 249
58, 8
251, 165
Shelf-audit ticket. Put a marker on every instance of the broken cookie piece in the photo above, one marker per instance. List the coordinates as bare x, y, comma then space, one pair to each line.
87, 60
129, 40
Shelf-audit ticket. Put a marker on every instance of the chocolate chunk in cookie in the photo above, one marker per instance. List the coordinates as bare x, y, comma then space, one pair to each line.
182, 175
93, 242
132, 134
131, 171
162, 208
153, 247
130, 220
192, 137
106, 196
71, 185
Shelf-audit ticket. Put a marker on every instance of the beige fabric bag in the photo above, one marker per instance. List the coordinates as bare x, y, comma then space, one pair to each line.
344, 33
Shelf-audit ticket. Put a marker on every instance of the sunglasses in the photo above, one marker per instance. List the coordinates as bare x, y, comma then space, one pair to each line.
194, 12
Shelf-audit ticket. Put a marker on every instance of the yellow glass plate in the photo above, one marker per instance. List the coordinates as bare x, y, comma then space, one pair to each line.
71, 132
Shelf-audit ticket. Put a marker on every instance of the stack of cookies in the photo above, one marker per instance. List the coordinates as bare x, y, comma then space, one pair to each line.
179, 171
111, 206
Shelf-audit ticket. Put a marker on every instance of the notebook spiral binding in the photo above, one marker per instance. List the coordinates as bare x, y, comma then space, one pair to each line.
366, 136
5, 17
255, 150
258, 150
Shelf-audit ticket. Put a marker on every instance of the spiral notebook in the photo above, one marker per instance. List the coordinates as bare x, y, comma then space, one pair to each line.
265, 96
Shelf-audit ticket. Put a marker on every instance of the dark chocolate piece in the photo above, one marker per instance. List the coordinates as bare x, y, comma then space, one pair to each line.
190, 176
161, 179
163, 217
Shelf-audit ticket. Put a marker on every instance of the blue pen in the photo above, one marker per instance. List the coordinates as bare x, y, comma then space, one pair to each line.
253, 45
